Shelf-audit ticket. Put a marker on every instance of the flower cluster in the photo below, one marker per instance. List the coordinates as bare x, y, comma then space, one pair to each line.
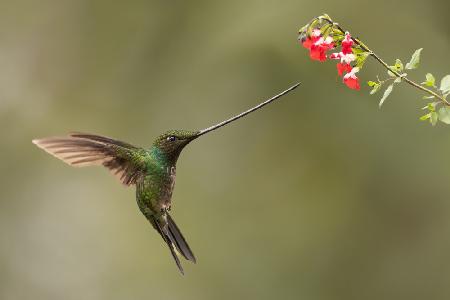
347, 56
322, 34
318, 46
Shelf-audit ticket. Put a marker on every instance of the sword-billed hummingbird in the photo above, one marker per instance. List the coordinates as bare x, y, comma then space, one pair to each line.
151, 170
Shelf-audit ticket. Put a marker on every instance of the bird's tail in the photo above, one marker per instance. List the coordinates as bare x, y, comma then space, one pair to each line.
175, 241
177, 238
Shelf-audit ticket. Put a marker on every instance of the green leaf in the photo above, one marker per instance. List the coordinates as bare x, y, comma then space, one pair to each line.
444, 114
325, 16
433, 118
357, 51
415, 60
390, 73
326, 30
386, 94
445, 84
311, 27
398, 65
425, 117
376, 88
361, 59
303, 29
430, 80
337, 34
371, 83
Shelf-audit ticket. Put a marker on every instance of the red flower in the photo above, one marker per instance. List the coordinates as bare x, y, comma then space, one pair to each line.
320, 47
317, 52
317, 45
347, 58
344, 65
343, 68
351, 80
346, 55
310, 40
347, 44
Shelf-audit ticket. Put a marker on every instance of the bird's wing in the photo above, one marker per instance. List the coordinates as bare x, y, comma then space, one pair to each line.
125, 161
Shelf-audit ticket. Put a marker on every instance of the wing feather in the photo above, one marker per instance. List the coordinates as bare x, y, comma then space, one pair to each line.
124, 160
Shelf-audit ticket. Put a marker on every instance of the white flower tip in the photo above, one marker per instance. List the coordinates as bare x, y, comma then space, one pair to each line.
335, 55
328, 40
316, 32
348, 37
351, 74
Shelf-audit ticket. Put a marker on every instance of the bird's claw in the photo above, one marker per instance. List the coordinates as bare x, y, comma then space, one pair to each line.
166, 209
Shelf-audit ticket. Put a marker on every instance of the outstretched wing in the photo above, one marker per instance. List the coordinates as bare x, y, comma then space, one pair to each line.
125, 161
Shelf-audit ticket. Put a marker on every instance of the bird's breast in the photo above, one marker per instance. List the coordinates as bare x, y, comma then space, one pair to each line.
154, 192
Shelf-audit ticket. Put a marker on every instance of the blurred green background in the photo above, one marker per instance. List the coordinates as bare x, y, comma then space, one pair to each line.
319, 196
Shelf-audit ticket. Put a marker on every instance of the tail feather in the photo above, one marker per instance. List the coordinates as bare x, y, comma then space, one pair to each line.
169, 244
176, 236
171, 234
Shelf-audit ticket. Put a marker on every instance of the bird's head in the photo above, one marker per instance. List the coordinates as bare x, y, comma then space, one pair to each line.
172, 142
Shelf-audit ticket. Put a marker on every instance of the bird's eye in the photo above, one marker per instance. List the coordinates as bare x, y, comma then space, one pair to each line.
171, 138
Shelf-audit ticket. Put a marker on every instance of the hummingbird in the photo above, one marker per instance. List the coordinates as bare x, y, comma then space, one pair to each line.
152, 171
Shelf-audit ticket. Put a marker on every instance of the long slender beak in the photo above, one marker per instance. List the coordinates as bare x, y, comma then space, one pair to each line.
236, 117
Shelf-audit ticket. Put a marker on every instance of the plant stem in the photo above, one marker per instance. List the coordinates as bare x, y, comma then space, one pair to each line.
403, 77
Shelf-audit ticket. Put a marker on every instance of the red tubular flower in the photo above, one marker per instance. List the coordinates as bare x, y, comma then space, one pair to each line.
310, 40
347, 44
343, 68
320, 47
317, 52
317, 45
351, 80
344, 65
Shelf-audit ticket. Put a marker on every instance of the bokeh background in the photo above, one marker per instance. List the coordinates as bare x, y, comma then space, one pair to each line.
319, 196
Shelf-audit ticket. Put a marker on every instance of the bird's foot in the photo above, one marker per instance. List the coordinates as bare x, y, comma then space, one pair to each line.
166, 209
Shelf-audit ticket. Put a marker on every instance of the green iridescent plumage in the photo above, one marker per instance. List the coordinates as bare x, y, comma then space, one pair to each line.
152, 170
